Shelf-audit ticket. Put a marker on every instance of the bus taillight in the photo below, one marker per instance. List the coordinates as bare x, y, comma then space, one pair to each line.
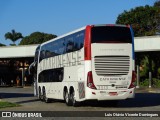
90, 82
133, 79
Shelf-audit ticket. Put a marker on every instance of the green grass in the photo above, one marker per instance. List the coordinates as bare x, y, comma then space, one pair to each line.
4, 104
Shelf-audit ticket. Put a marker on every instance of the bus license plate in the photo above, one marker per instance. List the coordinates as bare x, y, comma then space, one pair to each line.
113, 93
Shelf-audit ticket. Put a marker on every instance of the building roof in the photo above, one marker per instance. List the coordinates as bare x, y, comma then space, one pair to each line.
147, 43
17, 51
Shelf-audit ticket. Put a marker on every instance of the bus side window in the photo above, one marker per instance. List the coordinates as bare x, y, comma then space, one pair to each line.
36, 54
60, 75
42, 55
69, 43
79, 40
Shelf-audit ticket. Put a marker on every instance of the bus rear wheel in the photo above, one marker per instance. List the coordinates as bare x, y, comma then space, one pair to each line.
73, 100
40, 94
67, 98
45, 99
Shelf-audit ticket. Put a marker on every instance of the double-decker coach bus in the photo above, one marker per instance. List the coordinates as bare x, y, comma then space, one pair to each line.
95, 62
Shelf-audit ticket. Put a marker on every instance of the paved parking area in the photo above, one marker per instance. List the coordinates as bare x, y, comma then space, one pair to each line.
144, 101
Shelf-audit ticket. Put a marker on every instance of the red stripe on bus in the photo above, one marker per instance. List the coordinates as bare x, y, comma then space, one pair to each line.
87, 43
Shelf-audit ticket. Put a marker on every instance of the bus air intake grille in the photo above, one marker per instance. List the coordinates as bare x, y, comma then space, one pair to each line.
81, 90
111, 65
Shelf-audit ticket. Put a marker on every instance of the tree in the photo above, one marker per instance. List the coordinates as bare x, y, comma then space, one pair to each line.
144, 20
2, 44
13, 36
37, 38
157, 3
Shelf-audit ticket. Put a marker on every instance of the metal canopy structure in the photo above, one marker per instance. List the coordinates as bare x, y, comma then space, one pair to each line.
142, 44
14, 61
147, 44
17, 51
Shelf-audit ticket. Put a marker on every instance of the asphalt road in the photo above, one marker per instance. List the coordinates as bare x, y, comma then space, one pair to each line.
145, 100
24, 96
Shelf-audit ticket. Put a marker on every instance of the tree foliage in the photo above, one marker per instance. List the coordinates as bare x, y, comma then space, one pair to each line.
13, 36
37, 38
2, 44
144, 19
157, 3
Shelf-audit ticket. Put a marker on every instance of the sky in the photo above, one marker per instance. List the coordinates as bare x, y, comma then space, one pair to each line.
59, 16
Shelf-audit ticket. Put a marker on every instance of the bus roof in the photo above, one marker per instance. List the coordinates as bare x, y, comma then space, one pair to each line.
96, 25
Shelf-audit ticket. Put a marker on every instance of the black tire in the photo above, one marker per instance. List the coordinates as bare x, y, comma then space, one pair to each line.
67, 98
40, 94
45, 99
73, 100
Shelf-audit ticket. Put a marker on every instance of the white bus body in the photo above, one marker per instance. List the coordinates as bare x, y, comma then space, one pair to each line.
93, 68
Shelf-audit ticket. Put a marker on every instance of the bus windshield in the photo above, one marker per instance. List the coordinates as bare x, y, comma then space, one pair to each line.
111, 34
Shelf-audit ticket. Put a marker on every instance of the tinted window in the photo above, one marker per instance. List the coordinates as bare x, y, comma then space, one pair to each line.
64, 45
79, 40
74, 42
52, 75
69, 43
36, 54
111, 34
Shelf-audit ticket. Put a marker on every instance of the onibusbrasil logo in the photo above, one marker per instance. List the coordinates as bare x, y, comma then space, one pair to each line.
21, 114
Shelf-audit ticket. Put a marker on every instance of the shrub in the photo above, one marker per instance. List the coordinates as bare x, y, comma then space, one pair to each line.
156, 82
144, 83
